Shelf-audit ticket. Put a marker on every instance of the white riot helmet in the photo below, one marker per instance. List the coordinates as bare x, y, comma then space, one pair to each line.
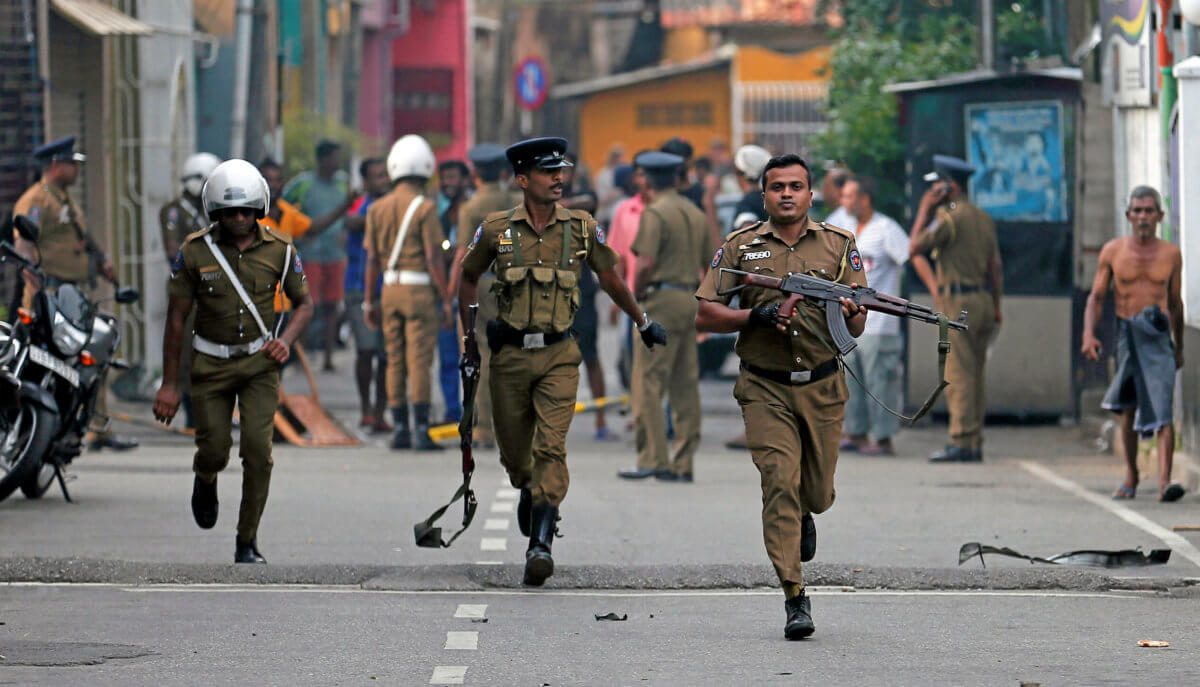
410, 156
196, 169
235, 184
750, 160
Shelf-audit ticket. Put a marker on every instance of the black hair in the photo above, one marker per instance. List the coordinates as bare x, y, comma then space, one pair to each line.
866, 185
788, 160
365, 166
268, 163
454, 164
326, 147
680, 147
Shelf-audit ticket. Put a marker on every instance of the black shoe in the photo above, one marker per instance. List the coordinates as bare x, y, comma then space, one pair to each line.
248, 553
808, 538
642, 473
423, 442
204, 503
402, 436
799, 617
957, 454
538, 563
524, 508
116, 443
667, 476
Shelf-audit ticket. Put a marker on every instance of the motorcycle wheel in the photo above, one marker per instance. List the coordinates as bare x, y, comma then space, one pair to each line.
38, 482
26, 432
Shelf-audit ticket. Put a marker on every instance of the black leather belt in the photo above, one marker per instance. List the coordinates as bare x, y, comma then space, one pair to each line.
959, 289
797, 378
500, 335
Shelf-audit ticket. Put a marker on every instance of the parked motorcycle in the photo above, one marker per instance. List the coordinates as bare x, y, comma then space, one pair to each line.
53, 360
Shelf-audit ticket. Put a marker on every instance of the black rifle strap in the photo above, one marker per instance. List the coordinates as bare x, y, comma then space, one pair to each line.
425, 528
943, 349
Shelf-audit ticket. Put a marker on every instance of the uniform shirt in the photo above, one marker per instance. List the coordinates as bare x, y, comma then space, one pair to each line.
383, 226
674, 234
293, 223
820, 251
623, 231
317, 197
545, 249
179, 218
63, 240
884, 248
963, 239
221, 316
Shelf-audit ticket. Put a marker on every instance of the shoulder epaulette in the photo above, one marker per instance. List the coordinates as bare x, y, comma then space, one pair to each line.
749, 227
829, 227
497, 217
279, 235
197, 234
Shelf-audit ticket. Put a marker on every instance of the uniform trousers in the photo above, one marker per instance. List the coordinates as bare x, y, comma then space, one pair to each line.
672, 371
965, 366
877, 363
533, 402
792, 433
253, 383
410, 327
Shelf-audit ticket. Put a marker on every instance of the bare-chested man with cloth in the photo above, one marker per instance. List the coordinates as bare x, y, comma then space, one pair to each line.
1145, 274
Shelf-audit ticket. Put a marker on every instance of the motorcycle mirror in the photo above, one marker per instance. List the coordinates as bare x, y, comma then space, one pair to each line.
127, 294
26, 228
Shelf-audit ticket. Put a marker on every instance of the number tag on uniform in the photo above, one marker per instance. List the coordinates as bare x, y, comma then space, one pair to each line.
756, 255
210, 273
504, 247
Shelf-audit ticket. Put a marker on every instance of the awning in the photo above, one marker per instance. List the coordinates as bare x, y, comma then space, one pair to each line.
100, 19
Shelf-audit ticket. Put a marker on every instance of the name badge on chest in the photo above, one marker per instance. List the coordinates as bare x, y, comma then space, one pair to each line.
210, 273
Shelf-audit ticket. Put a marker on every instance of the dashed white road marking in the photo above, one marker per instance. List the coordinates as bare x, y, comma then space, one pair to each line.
506, 493
1177, 543
495, 524
489, 562
493, 544
462, 641
471, 611
502, 507
448, 675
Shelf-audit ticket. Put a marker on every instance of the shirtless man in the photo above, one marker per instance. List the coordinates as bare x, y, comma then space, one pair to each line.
1145, 272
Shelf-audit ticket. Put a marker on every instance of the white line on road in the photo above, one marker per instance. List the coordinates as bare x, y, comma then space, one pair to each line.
495, 524
506, 493
1177, 543
489, 562
462, 641
448, 675
471, 611
502, 507
493, 544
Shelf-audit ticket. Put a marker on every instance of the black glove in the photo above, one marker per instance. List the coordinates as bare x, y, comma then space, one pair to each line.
765, 315
653, 333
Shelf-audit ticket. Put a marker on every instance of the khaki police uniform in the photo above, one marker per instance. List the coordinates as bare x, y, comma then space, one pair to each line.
535, 361
674, 234
963, 241
179, 219
229, 366
791, 389
489, 197
409, 302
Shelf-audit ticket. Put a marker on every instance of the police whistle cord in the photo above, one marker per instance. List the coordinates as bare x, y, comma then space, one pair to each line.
829, 294
426, 534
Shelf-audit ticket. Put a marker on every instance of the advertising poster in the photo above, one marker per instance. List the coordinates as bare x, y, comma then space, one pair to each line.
1017, 151
1129, 60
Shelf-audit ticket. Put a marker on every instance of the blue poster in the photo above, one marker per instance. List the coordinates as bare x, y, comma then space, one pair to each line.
1017, 152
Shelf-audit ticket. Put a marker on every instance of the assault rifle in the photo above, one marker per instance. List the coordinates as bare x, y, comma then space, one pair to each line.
829, 293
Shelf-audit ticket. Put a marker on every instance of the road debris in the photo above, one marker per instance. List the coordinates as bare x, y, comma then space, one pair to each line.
1185, 528
1153, 643
1125, 558
613, 616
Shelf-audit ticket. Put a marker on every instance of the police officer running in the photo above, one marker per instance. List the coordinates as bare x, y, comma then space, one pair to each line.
68, 253
537, 249
791, 388
672, 248
230, 272
970, 276
404, 227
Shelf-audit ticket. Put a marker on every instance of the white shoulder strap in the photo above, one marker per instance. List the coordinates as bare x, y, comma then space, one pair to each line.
287, 262
408, 215
237, 285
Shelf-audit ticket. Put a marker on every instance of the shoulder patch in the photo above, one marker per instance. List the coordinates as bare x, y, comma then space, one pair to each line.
478, 235
600, 238
837, 230
173, 214
35, 214
297, 265
856, 260
177, 263
717, 257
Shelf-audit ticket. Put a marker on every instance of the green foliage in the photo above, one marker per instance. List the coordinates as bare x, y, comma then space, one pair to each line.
895, 17
863, 129
302, 130
1021, 31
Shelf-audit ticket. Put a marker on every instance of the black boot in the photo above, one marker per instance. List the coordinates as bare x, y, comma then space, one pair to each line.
204, 503
957, 454
799, 617
424, 442
402, 437
247, 552
524, 510
538, 563
808, 538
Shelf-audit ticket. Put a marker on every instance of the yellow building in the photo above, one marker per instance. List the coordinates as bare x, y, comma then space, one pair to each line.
739, 94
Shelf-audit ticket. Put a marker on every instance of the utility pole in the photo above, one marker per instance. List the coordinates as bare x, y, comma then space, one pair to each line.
987, 34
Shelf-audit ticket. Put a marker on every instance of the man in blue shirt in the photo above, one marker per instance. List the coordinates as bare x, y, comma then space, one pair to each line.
370, 362
453, 178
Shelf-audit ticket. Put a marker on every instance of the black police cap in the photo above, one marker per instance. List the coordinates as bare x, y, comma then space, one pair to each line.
62, 150
949, 167
486, 154
657, 162
543, 153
